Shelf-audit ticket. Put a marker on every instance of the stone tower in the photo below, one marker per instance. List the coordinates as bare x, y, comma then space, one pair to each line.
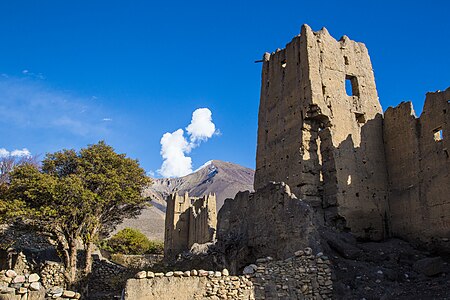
189, 220
323, 139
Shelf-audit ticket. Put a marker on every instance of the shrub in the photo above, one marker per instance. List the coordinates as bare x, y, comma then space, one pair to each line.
131, 241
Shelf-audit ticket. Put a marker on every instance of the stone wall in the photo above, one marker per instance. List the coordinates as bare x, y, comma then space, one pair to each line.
188, 285
324, 142
417, 153
17, 286
270, 222
189, 220
302, 276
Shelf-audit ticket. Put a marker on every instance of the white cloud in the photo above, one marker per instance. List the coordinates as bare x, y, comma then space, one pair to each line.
17, 153
21, 153
107, 119
175, 146
201, 128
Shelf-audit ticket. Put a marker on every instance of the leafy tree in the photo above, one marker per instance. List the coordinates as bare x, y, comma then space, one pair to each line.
132, 241
78, 195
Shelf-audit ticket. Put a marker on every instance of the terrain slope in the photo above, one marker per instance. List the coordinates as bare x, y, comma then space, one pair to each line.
222, 178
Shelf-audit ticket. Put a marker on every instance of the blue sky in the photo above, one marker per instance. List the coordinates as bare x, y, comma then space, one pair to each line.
75, 72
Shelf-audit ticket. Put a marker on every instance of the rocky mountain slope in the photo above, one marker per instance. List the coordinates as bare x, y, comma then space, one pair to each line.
222, 178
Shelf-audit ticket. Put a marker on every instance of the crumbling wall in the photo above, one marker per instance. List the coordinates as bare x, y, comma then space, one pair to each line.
304, 275
270, 222
189, 220
417, 154
188, 285
325, 144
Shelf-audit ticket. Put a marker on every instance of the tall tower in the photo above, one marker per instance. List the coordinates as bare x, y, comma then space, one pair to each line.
320, 130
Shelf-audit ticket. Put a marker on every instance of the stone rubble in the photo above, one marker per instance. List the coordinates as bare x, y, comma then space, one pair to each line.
28, 286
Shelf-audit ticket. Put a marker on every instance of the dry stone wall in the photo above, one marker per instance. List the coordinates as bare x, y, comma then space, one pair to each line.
417, 153
302, 276
188, 285
14, 286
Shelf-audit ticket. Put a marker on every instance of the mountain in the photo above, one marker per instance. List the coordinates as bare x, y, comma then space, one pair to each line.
224, 179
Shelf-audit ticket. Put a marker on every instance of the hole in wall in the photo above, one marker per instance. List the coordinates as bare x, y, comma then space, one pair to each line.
351, 85
360, 117
346, 60
438, 134
283, 63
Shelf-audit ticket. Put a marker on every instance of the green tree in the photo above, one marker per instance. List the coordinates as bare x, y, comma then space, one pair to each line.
132, 241
78, 195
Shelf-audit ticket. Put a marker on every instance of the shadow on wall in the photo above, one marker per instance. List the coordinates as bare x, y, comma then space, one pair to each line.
274, 222
354, 195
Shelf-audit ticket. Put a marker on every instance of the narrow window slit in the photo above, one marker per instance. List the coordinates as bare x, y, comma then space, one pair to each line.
351, 85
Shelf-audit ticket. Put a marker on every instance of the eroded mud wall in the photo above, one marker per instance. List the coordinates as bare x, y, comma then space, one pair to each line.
417, 154
323, 140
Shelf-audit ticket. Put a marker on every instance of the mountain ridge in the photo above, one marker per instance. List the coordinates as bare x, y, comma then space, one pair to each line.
224, 179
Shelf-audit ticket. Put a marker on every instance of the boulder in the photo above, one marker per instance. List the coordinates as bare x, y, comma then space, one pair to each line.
429, 266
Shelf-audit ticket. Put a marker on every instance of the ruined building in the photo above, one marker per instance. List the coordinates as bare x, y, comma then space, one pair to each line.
327, 158
361, 172
418, 165
189, 220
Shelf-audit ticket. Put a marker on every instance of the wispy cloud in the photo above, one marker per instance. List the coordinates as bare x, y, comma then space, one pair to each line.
33, 75
30, 103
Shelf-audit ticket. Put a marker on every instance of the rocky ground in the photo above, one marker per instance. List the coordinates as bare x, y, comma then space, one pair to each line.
392, 269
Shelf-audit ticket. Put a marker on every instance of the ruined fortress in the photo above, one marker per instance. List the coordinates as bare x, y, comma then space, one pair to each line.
373, 175
322, 131
189, 220
333, 174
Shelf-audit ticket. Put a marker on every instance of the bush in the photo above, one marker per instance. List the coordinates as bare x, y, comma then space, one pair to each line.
131, 241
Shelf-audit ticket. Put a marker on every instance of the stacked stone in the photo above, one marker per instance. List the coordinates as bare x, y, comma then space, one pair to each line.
57, 292
229, 287
52, 274
218, 284
304, 276
28, 286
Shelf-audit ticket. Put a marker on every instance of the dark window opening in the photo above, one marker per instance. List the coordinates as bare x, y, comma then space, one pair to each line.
346, 60
438, 134
351, 85
283, 63
360, 117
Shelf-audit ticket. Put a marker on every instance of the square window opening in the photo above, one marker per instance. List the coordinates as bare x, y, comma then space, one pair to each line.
360, 117
438, 134
351, 86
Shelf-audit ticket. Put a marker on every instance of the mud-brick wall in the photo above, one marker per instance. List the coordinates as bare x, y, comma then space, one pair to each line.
325, 142
417, 153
